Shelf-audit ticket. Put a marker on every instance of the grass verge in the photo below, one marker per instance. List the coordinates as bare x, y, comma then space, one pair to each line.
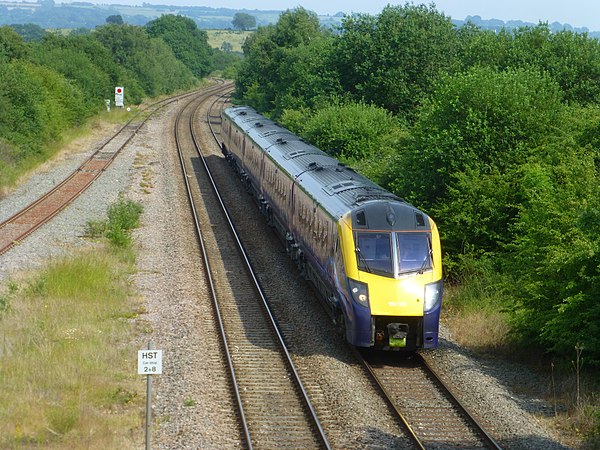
17, 164
67, 356
474, 313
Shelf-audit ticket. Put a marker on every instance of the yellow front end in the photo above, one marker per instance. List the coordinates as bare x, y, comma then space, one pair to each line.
395, 297
396, 301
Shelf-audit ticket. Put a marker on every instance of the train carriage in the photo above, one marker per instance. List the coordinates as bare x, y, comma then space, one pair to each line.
375, 259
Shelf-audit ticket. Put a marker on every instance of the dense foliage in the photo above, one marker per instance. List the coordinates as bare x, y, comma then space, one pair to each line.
188, 43
464, 156
286, 65
393, 59
495, 134
52, 82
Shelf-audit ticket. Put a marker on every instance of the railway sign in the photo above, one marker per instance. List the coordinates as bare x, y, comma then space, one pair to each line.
119, 95
149, 362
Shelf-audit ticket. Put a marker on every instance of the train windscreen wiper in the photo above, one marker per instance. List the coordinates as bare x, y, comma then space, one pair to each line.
425, 262
428, 258
363, 259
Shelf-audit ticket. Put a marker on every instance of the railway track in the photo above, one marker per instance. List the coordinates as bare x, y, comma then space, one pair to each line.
17, 227
424, 408
273, 406
431, 412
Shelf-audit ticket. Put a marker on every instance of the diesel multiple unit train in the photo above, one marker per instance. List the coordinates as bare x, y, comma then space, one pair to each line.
375, 259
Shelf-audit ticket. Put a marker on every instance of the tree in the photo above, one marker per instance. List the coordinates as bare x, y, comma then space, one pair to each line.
188, 43
11, 44
30, 32
469, 140
148, 65
287, 65
538, 47
243, 21
580, 78
115, 19
394, 59
226, 63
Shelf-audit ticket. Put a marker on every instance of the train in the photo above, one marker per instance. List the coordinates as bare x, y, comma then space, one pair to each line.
374, 258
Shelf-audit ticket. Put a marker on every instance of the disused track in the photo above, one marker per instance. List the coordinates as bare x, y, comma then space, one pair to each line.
273, 406
22, 224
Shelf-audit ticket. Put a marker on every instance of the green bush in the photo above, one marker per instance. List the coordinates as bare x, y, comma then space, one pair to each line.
364, 136
352, 131
555, 257
462, 158
36, 106
123, 216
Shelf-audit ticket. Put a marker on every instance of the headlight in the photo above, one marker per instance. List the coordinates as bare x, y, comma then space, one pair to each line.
359, 291
433, 295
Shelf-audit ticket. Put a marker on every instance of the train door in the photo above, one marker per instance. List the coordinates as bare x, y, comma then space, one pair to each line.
340, 303
292, 221
243, 152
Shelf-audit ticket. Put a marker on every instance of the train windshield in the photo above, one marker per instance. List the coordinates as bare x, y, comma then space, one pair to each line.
391, 254
374, 252
414, 252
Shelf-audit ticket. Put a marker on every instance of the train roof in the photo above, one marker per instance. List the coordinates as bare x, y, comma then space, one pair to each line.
338, 188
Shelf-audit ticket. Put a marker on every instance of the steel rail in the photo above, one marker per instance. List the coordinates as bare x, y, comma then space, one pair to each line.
477, 429
211, 285
490, 441
259, 288
388, 399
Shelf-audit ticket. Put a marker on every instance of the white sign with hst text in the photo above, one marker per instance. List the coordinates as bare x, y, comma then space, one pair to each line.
149, 362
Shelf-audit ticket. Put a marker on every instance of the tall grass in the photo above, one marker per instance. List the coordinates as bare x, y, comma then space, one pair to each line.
474, 313
473, 310
67, 358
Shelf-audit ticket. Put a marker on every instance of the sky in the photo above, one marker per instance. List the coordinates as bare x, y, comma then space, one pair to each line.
578, 13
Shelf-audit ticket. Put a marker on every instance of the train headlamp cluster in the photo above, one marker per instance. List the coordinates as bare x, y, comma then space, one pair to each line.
360, 292
433, 295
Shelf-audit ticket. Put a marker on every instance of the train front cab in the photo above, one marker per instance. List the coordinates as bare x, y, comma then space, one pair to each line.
392, 287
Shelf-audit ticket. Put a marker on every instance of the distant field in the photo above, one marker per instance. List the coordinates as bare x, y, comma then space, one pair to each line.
235, 38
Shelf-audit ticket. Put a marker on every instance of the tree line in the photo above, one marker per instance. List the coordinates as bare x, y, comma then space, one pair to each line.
50, 83
494, 134
51, 15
